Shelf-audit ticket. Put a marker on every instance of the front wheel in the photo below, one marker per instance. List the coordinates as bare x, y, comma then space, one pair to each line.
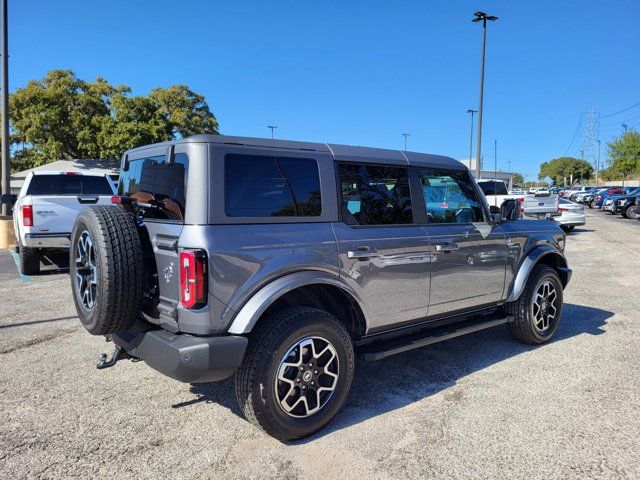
296, 373
633, 212
536, 314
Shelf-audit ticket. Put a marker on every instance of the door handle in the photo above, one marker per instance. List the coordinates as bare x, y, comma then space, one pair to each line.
447, 247
362, 253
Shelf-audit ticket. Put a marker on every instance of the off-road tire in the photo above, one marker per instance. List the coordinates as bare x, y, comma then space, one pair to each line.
268, 343
522, 326
29, 260
119, 266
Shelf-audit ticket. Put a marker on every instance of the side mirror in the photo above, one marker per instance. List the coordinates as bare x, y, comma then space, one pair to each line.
510, 210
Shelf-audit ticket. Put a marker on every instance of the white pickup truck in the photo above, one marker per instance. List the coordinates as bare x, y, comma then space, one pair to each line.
46, 209
536, 204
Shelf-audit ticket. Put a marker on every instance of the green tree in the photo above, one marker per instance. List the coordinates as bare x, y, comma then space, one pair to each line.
62, 116
559, 168
624, 155
518, 179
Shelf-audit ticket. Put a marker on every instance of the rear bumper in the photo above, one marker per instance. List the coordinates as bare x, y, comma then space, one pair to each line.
183, 357
47, 240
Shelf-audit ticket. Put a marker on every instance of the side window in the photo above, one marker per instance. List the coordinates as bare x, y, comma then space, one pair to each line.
266, 186
159, 184
375, 195
450, 197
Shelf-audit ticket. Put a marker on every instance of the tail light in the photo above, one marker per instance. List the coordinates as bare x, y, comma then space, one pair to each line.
193, 269
521, 200
27, 215
116, 200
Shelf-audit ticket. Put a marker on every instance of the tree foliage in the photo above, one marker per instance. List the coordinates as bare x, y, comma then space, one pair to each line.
624, 156
62, 116
559, 168
518, 179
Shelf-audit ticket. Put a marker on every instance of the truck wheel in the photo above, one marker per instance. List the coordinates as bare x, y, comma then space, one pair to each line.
633, 212
592, 204
567, 228
29, 261
536, 314
106, 269
296, 373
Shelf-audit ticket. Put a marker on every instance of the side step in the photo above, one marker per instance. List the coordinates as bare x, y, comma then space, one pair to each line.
383, 349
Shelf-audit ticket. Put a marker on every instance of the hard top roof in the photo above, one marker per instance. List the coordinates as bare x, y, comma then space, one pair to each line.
351, 153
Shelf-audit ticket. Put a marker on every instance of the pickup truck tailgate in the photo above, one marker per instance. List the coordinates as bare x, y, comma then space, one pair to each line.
57, 214
540, 204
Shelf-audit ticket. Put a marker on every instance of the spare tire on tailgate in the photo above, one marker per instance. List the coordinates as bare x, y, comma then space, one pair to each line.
106, 268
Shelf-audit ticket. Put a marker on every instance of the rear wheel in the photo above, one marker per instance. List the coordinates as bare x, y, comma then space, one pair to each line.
106, 269
592, 204
296, 373
536, 314
29, 260
567, 228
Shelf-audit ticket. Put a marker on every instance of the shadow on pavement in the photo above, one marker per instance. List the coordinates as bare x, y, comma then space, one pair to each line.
36, 322
395, 382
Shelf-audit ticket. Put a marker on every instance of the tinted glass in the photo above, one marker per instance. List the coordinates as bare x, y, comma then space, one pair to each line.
450, 197
493, 188
265, 186
158, 186
373, 195
69, 185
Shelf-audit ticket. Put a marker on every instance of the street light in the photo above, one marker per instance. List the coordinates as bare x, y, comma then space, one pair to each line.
272, 127
481, 17
405, 135
625, 126
471, 111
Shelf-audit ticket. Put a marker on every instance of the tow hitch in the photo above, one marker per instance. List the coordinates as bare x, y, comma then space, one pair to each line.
118, 354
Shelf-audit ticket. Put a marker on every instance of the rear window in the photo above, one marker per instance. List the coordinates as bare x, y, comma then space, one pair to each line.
493, 188
158, 187
69, 185
266, 186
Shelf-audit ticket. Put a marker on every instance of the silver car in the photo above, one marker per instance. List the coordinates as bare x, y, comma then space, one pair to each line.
572, 215
282, 261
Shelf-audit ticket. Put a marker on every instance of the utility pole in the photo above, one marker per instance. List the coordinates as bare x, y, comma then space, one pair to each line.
405, 135
6, 165
481, 17
471, 111
272, 127
598, 162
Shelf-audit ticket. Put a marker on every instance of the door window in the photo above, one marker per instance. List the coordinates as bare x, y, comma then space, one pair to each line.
450, 197
375, 195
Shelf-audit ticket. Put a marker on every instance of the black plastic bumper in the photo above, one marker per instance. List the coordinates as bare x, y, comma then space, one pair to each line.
186, 358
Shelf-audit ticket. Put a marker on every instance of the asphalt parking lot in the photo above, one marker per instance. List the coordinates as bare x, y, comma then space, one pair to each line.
481, 406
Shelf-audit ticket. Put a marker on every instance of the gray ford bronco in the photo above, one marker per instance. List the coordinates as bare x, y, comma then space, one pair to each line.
282, 261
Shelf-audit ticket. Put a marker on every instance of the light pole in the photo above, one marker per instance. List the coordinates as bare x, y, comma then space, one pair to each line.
6, 165
625, 126
272, 127
598, 162
471, 111
481, 17
405, 135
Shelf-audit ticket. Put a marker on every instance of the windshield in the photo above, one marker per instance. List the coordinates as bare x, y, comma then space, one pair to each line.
493, 188
64, 184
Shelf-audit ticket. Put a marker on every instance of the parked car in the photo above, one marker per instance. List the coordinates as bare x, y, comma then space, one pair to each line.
46, 209
600, 198
611, 202
583, 190
586, 196
572, 215
633, 211
280, 261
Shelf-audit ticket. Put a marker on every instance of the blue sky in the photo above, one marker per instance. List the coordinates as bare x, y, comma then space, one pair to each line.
359, 72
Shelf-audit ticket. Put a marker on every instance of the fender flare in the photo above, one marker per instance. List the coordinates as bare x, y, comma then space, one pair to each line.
528, 264
248, 315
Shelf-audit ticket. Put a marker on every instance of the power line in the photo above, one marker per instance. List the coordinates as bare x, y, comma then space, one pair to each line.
621, 111
574, 136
